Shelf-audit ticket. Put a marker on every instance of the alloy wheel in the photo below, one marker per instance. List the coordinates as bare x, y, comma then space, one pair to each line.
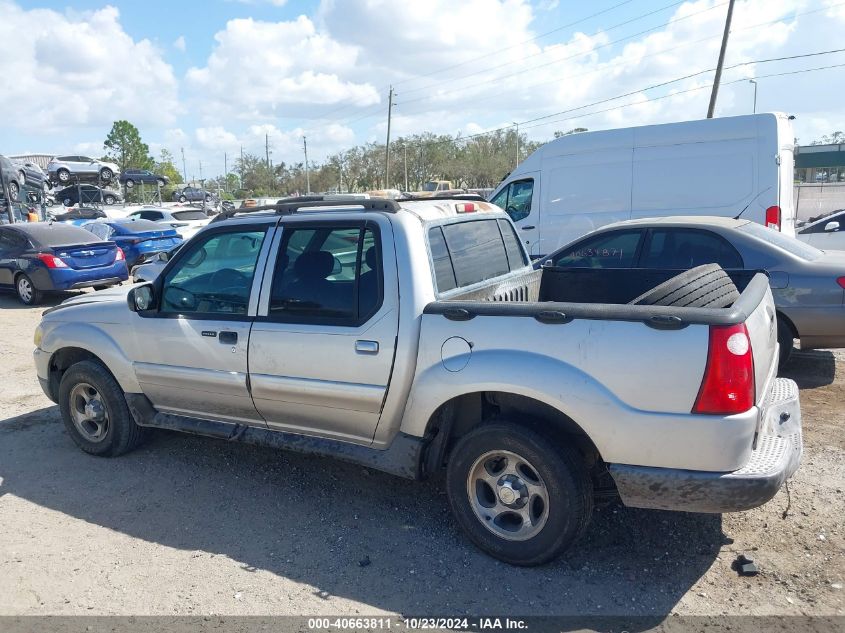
88, 412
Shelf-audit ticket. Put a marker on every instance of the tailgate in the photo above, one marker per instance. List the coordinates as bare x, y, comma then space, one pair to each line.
762, 330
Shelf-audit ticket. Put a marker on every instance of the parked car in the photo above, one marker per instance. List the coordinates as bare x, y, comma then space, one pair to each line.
827, 233
186, 221
41, 257
192, 194
91, 194
435, 349
77, 216
151, 269
131, 177
139, 239
12, 177
64, 170
808, 285
727, 166
31, 174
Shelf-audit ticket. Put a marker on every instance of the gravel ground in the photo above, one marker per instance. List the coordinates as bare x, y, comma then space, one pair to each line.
189, 525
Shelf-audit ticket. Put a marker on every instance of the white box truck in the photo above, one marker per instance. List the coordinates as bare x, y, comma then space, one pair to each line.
723, 167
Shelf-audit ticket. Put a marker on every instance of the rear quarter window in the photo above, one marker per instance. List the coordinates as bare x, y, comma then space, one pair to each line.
469, 252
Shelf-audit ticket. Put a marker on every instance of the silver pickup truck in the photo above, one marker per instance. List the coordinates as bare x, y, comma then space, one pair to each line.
415, 337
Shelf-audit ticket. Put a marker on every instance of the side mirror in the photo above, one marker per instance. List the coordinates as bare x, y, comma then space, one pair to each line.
163, 256
831, 226
141, 299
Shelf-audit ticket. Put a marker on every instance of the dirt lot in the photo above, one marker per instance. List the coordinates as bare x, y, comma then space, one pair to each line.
188, 525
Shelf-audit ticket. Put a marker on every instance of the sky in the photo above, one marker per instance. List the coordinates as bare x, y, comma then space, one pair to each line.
210, 77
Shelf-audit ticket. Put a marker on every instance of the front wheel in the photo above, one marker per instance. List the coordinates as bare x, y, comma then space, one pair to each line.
110, 199
27, 293
95, 412
519, 496
106, 174
160, 183
182, 199
129, 184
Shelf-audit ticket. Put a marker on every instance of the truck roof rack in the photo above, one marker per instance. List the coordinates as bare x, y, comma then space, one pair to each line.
290, 206
469, 197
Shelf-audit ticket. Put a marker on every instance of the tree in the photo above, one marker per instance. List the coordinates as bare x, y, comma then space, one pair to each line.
835, 138
124, 146
576, 130
167, 168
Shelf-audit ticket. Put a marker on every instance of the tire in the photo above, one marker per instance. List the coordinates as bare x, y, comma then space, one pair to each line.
208, 198
129, 184
182, 199
27, 293
160, 183
707, 286
110, 199
67, 202
115, 432
14, 190
785, 341
557, 471
106, 174
63, 175
49, 202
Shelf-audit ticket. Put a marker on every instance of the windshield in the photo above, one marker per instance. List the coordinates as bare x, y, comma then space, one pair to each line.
781, 241
189, 215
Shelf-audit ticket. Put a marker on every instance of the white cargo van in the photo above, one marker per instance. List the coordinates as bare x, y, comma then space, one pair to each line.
723, 167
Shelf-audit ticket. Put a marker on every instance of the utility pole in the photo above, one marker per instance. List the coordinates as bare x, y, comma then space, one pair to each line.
405, 156
754, 111
387, 145
184, 169
718, 77
267, 152
307, 179
340, 172
517, 143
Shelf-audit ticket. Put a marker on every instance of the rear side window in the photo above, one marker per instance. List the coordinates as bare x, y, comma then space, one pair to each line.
608, 250
688, 248
466, 253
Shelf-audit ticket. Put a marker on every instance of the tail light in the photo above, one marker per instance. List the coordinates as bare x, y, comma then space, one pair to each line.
51, 261
728, 383
841, 281
773, 217
120, 256
465, 207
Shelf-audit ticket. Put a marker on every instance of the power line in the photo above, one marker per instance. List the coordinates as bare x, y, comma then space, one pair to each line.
563, 59
528, 41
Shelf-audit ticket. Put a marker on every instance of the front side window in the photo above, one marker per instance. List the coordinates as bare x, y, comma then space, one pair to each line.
688, 248
608, 250
515, 199
327, 274
215, 276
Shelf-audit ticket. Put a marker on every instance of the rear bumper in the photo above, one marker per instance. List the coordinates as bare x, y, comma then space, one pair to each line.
775, 458
72, 279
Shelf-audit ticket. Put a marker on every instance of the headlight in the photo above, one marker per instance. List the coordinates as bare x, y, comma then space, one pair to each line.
36, 338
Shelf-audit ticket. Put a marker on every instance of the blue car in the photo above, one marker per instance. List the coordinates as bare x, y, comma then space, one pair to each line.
139, 239
39, 257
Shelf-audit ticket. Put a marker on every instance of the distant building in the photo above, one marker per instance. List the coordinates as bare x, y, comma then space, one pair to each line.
820, 163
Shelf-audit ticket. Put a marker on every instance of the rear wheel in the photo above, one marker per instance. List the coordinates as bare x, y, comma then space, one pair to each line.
110, 199
27, 293
518, 495
707, 286
785, 341
63, 175
106, 174
160, 182
183, 199
129, 184
94, 411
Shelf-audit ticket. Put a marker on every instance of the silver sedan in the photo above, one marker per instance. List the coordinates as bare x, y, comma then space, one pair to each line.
808, 284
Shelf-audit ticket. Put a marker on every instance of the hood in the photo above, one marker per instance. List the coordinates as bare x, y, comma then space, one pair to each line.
114, 295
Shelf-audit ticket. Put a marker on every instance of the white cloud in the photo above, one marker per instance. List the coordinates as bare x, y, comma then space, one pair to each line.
216, 137
179, 43
80, 70
262, 70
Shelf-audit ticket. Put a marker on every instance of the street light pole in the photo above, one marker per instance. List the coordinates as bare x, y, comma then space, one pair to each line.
755, 95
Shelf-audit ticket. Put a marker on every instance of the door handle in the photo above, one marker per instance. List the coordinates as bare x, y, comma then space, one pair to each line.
228, 338
366, 347
528, 228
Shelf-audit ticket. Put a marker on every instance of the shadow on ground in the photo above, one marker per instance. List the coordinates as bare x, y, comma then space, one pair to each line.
313, 520
9, 300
